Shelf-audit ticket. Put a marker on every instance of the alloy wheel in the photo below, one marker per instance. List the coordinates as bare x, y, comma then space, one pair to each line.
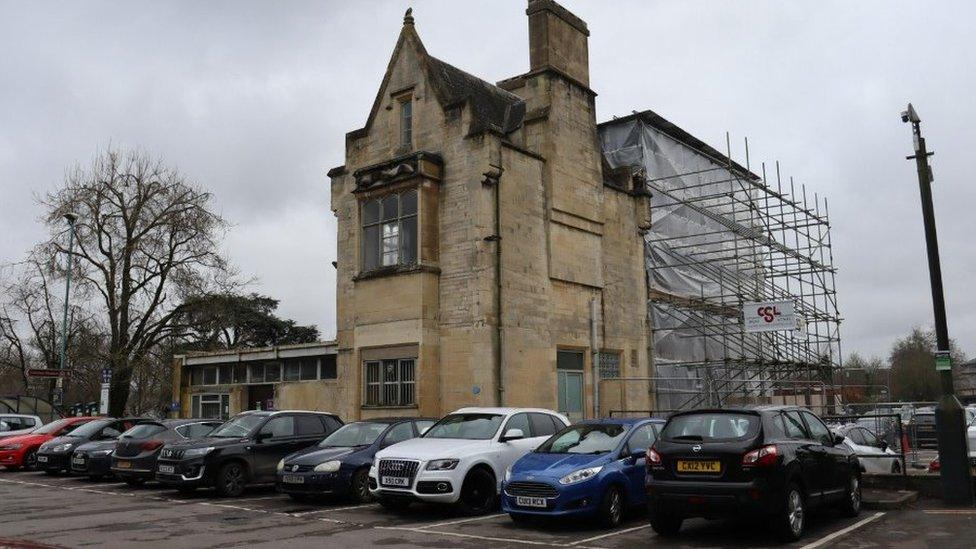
478, 496
855, 494
30, 460
795, 512
233, 479
616, 507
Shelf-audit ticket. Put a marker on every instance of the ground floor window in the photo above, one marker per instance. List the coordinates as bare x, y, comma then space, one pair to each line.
211, 406
390, 382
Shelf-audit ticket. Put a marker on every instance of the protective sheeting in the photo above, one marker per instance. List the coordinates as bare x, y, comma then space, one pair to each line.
688, 316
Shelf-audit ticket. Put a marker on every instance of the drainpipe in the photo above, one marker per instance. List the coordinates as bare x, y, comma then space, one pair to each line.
595, 361
493, 179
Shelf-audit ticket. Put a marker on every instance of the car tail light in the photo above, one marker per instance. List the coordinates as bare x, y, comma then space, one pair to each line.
761, 457
653, 458
150, 445
934, 465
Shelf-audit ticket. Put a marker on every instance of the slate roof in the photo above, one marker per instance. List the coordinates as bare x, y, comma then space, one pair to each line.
492, 108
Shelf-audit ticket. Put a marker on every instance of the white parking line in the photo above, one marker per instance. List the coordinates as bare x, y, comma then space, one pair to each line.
609, 534
472, 536
450, 522
332, 509
832, 536
258, 498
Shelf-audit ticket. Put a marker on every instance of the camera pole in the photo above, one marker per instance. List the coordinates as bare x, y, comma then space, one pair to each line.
957, 484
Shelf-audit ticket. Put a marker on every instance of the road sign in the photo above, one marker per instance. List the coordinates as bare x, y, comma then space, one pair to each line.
943, 361
44, 372
106, 375
769, 316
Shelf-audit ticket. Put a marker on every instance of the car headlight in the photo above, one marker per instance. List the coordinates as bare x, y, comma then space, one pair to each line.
12, 447
62, 448
197, 452
508, 474
101, 452
442, 464
580, 476
328, 467
281, 465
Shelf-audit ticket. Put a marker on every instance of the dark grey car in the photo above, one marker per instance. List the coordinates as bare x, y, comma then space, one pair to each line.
134, 460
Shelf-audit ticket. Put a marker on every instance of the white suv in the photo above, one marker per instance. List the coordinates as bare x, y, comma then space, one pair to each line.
461, 459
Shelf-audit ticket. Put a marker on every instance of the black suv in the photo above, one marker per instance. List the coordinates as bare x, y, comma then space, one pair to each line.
245, 450
774, 461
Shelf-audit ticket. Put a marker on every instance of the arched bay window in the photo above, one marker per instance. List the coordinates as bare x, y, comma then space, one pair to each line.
390, 230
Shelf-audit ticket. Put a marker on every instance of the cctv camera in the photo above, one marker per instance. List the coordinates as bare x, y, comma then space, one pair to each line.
910, 115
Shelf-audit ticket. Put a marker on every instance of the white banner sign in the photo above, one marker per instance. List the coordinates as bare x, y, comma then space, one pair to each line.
769, 316
103, 405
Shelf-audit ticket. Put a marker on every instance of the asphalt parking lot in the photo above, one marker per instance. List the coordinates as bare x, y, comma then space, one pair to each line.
75, 512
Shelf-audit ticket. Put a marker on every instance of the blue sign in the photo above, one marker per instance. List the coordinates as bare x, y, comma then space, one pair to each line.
174, 407
106, 375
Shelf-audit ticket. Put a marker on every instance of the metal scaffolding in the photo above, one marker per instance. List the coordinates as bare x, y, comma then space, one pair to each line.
723, 236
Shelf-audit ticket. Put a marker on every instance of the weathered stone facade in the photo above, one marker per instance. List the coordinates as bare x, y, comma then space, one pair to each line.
484, 316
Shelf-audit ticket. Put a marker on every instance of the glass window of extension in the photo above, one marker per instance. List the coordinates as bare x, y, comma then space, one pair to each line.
391, 382
406, 123
390, 230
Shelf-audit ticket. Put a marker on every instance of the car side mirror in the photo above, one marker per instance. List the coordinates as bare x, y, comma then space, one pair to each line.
838, 439
884, 446
636, 455
512, 434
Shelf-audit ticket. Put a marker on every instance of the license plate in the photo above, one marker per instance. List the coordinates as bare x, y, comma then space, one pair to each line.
42, 459
530, 502
293, 479
699, 466
167, 469
395, 481
124, 464
78, 461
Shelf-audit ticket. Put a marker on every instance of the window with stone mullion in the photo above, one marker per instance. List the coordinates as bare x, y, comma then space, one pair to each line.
390, 230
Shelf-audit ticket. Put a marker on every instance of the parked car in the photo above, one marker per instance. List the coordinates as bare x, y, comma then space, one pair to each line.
768, 461
873, 453
462, 459
935, 465
243, 451
339, 465
594, 468
21, 451
135, 456
54, 456
12, 425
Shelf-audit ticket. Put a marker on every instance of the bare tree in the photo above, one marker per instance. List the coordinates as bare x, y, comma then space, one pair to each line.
30, 321
146, 239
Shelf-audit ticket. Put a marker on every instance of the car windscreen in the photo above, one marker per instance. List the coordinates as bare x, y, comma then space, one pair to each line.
585, 439
90, 428
56, 426
466, 426
240, 426
143, 430
355, 434
711, 426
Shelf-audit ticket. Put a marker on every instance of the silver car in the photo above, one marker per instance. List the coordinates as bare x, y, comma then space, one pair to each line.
12, 425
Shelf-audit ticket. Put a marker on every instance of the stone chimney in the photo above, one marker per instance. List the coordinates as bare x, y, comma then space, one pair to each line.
558, 40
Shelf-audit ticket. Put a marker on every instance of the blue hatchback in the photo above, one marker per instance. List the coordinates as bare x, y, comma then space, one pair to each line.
593, 468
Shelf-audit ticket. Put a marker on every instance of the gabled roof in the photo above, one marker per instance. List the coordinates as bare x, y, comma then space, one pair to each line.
492, 108
667, 127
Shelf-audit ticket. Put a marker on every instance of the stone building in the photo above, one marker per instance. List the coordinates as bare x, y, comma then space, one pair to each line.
487, 253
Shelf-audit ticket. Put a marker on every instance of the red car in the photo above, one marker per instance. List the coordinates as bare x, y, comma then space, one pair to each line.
21, 451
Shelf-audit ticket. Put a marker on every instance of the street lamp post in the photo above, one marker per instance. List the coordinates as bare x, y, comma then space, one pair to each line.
957, 484
71, 218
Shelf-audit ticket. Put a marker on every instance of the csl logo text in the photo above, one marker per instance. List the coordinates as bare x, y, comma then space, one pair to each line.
768, 313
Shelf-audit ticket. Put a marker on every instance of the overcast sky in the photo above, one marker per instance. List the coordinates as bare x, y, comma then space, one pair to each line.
252, 100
